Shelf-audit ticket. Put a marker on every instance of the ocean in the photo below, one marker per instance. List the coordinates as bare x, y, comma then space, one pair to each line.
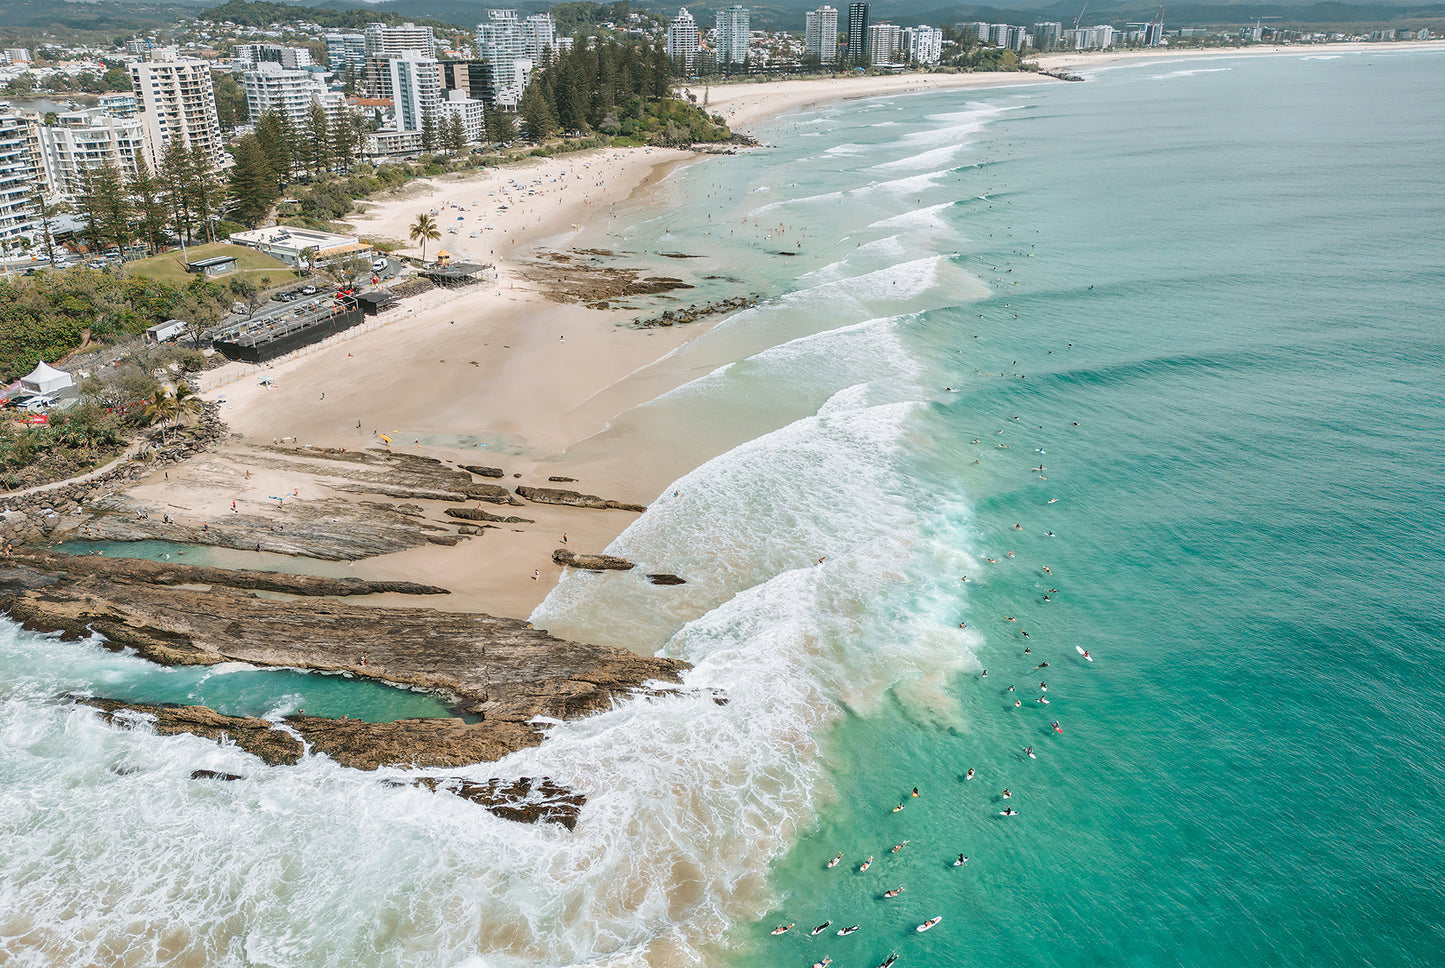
1153, 362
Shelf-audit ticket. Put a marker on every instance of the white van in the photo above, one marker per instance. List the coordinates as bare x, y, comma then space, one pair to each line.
380, 265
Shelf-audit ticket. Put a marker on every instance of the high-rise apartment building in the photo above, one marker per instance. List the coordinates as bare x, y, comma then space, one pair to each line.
346, 53
923, 45
19, 178
416, 89
270, 87
733, 29
1046, 34
471, 77
502, 44
80, 141
858, 34
471, 111
539, 39
177, 104
682, 39
820, 35
885, 44
385, 41
248, 56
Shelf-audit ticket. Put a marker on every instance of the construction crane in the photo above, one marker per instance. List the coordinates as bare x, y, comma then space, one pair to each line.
1081, 15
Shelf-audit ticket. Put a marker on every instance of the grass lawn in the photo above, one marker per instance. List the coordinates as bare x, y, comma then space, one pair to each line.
170, 266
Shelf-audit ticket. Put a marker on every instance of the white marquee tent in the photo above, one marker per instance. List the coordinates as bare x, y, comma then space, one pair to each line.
46, 379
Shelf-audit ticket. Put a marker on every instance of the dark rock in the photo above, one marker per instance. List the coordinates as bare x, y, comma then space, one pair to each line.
253, 735
666, 580
524, 800
570, 559
212, 775
477, 514
562, 480
482, 471
491, 493
166, 573
552, 495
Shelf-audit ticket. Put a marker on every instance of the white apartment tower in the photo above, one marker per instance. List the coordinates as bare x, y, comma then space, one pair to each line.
177, 104
682, 40
18, 179
885, 44
923, 44
83, 141
346, 52
416, 89
270, 87
384, 41
732, 34
820, 35
501, 43
539, 38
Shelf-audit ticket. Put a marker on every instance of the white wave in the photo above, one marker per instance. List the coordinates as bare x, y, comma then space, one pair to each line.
927, 217
1190, 73
924, 159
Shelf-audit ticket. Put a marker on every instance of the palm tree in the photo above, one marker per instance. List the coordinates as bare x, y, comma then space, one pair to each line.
425, 230
171, 407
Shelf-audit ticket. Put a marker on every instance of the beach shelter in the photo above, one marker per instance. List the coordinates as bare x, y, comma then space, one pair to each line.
46, 379
443, 257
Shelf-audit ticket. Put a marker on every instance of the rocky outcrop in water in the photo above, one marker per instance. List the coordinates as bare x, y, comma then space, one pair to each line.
677, 317
666, 580
571, 559
553, 495
503, 670
363, 746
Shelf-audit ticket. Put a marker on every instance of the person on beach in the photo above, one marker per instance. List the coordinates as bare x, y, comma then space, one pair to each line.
536, 574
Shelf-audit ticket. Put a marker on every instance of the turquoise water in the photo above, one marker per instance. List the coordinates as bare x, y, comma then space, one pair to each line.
1228, 274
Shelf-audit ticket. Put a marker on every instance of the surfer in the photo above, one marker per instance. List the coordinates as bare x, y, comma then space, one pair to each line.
898, 808
895, 892
915, 791
970, 774
1043, 687
1042, 665
1029, 752
1055, 724
782, 929
1008, 812
1006, 794
844, 932
822, 927
1088, 656
928, 924
898, 847
888, 962
985, 674
834, 862
866, 864
961, 861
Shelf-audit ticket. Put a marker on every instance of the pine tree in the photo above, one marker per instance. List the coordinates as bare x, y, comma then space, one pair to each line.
500, 126
538, 120
210, 191
318, 138
150, 208
177, 176
454, 134
253, 186
343, 141
271, 133
428, 131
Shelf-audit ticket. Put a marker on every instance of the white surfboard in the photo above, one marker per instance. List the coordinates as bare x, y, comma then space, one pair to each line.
1080, 649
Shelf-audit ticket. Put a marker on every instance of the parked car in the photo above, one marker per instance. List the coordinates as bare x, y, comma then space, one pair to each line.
308, 290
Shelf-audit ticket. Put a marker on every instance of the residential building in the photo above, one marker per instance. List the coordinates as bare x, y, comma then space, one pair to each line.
682, 39
539, 38
732, 35
19, 212
1047, 34
383, 41
473, 78
177, 104
504, 46
270, 87
923, 45
885, 42
820, 35
857, 34
346, 54
139, 46
117, 105
17, 55
248, 56
84, 140
416, 90
472, 111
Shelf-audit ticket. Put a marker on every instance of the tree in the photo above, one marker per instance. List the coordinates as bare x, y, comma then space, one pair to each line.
349, 271
454, 134
424, 230
177, 174
538, 121
253, 185
168, 408
210, 190
150, 209
272, 134
231, 107
105, 207
428, 131
318, 139
45, 211
499, 124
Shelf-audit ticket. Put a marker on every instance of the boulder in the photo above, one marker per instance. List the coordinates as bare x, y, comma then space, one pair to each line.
570, 559
552, 495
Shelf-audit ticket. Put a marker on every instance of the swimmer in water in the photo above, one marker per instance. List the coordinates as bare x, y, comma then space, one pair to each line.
1010, 688
970, 774
985, 674
1042, 665
1018, 703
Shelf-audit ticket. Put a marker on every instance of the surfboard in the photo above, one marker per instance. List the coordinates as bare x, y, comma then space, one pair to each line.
844, 932
865, 865
1080, 649
822, 927
834, 862
928, 924
781, 929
